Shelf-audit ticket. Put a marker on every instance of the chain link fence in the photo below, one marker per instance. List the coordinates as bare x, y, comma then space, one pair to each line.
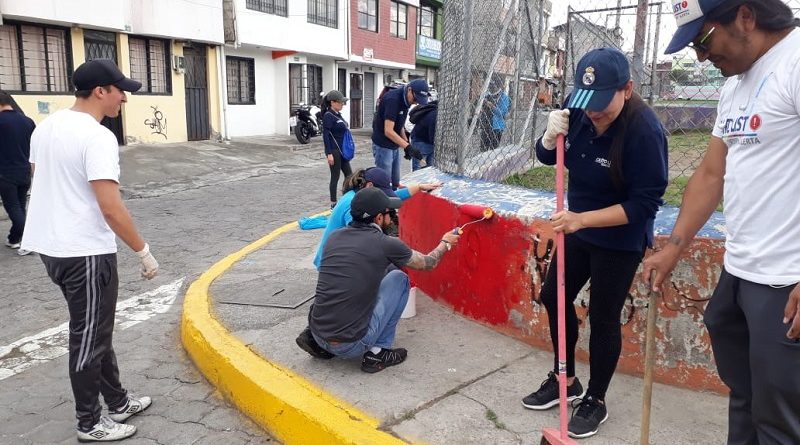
507, 63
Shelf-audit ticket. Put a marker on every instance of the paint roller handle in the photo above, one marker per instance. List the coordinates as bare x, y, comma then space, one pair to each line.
450, 238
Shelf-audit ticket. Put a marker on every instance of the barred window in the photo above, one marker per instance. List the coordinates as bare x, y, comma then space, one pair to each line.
241, 80
150, 65
34, 58
398, 20
368, 15
324, 12
277, 7
426, 20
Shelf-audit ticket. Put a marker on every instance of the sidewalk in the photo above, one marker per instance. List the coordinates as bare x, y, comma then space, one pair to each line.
462, 382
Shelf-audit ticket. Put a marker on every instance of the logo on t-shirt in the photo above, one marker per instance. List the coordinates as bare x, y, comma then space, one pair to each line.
755, 122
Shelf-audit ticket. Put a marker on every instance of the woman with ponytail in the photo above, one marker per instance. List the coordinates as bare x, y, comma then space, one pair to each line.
371, 177
616, 153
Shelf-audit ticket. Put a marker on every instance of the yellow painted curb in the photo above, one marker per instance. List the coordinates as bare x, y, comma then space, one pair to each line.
290, 407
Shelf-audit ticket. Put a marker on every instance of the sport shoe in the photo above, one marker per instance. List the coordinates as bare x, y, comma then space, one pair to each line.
307, 343
106, 430
23, 252
587, 417
12, 245
547, 395
378, 362
131, 407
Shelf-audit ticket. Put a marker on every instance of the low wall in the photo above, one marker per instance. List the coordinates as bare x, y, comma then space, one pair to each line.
498, 267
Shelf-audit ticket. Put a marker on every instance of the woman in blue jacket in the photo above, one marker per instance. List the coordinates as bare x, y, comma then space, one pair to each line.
616, 153
371, 177
334, 128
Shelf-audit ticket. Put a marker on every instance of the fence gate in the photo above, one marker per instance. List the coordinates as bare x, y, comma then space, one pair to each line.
369, 99
197, 125
356, 98
103, 45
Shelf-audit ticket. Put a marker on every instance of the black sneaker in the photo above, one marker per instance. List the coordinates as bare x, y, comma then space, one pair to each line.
380, 361
307, 343
547, 395
587, 417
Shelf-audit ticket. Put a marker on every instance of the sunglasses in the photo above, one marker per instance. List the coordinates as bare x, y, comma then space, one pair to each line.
701, 46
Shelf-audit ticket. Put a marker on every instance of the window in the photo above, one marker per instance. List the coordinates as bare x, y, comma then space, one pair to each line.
426, 22
150, 65
368, 15
305, 84
324, 12
398, 18
34, 58
277, 7
241, 80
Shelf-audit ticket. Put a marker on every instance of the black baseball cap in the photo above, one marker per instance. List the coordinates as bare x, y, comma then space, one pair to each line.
600, 73
102, 72
370, 202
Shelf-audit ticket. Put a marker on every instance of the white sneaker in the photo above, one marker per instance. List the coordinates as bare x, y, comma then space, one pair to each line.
106, 430
23, 252
133, 406
12, 245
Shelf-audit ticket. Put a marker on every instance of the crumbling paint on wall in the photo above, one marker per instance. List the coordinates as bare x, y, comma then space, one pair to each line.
494, 275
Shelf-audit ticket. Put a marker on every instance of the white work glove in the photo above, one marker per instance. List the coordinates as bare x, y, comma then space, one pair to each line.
149, 263
557, 122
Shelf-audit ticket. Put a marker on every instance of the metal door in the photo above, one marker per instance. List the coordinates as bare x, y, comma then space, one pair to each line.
369, 98
196, 92
103, 45
356, 95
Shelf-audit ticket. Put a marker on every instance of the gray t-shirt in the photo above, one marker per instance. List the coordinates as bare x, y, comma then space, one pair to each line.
354, 261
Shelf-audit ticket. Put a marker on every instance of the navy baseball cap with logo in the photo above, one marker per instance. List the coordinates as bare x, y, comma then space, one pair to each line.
100, 73
600, 74
370, 202
690, 16
379, 178
420, 89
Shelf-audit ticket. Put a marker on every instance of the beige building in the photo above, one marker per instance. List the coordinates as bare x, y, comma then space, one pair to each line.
177, 61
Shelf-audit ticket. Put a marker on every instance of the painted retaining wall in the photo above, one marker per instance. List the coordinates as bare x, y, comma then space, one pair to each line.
496, 271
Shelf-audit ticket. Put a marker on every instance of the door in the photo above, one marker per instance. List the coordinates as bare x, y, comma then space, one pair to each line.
196, 80
356, 95
103, 45
369, 98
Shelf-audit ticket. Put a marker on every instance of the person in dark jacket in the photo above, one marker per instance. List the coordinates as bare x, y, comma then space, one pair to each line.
616, 153
15, 168
424, 133
334, 128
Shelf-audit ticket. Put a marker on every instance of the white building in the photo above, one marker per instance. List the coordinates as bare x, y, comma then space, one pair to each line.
279, 53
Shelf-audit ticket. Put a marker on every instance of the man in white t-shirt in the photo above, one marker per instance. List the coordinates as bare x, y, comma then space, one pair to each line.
753, 162
75, 212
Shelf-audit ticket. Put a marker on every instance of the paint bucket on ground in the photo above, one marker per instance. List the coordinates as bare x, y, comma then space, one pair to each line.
411, 305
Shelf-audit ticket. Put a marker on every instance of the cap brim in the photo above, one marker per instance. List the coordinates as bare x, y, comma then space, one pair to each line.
421, 98
684, 35
129, 85
590, 100
395, 203
389, 192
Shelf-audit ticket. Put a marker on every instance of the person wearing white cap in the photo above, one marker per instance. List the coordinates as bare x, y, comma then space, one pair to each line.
753, 164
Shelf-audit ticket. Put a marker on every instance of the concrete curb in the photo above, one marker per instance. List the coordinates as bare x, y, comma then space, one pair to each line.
287, 405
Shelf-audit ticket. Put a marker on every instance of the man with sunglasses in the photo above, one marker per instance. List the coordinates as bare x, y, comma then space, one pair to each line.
753, 162
361, 291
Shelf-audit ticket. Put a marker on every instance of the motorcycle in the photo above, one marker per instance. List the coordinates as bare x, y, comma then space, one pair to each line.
308, 123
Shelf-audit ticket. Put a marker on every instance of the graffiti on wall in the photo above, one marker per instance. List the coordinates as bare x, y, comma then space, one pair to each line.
157, 123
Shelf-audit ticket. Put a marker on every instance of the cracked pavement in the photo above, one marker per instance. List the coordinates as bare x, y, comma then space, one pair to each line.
194, 203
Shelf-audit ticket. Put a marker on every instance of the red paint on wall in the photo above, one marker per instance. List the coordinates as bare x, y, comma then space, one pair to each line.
384, 46
495, 272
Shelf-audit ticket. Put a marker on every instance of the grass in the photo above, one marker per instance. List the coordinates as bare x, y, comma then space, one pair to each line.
683, 141
492, 417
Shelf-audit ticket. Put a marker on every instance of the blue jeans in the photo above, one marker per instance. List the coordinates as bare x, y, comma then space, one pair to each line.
392, 298
427, 155
389, 160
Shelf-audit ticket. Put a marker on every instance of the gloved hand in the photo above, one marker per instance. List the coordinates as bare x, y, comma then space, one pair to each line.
149, 263
557, 122
411, 152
